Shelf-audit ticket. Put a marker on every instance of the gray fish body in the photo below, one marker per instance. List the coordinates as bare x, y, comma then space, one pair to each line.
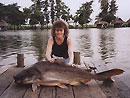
65, 74
60, 72
53, 74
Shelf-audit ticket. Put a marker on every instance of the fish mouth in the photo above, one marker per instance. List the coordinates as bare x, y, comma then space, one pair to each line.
23, 82
18, 81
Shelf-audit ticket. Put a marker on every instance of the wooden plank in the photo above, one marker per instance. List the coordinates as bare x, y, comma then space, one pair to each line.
113, 90
47, 92
81, 91
122, 88
110, 91
30, 94
64, 93
125, 77
14, 91
6, 78
95, 90
4, 68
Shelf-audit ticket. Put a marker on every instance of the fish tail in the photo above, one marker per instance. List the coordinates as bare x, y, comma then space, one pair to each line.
102, 76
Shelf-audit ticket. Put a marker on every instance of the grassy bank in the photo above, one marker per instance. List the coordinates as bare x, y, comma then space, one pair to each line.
28, 27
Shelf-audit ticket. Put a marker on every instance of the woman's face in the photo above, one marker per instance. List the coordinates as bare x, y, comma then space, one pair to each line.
59, 32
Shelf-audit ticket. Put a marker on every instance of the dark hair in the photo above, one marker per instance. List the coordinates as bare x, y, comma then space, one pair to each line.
59, 24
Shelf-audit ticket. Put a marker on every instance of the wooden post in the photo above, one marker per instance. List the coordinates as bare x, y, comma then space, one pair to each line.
20, 60
77, 58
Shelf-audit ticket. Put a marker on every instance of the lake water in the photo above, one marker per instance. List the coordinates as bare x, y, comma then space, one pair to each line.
103, 46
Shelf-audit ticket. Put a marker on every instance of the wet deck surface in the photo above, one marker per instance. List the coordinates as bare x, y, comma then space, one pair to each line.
94, 89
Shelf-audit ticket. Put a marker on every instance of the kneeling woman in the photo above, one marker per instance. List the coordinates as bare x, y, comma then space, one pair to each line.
59, 45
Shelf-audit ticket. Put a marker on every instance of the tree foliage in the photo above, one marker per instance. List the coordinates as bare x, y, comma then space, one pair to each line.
36, 16
113, 7
83, 14
62, 11
26, 13
46, 11
52, 10
11, 14
43, 12
104, 8
108, 10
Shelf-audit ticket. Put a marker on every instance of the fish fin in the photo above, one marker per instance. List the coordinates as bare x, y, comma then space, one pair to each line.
75, 83
62, 86
108, 74
38, 85
85, 82
34, 87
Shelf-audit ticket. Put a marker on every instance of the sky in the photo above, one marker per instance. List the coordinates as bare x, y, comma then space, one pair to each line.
123, 6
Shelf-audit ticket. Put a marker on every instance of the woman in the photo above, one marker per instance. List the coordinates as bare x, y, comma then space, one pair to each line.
59, 45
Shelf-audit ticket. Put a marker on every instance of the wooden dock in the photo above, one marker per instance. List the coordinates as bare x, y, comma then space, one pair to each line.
94, 89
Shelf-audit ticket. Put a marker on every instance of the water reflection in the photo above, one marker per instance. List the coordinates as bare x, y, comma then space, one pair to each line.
107, 45
9, 44
39, 42
85, 45
31, 43
81, 40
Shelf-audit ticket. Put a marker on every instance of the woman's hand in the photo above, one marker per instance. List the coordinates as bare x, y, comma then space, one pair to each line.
70, 64
51, 60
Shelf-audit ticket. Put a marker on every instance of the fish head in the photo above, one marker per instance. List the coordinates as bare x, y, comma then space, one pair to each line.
26, 76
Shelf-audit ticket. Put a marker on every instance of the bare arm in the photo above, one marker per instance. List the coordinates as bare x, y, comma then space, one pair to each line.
70, 51
49, 50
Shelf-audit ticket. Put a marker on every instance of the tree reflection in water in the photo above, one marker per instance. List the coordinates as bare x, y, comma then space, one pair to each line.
103, 45
107, 45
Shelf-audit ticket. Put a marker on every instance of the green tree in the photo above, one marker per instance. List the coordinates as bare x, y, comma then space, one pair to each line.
58, 9
108, 18
62, 11
113, 7
15, 16
26, 13
37, 16
104, 6
52, 14
65, 12
83, 14
1, 11
11, 14
46, 12
54, 9
34, 19
108, 10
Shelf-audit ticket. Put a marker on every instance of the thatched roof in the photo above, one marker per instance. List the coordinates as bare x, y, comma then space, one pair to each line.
101, 22
128, 21
3, 23
118, 20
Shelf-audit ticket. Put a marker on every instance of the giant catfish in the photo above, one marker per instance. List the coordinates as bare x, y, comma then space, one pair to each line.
54, 74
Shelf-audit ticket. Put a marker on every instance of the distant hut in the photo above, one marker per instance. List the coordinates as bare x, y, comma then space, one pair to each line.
118, 22
128, 22
3, 25
71, 24
101, 24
